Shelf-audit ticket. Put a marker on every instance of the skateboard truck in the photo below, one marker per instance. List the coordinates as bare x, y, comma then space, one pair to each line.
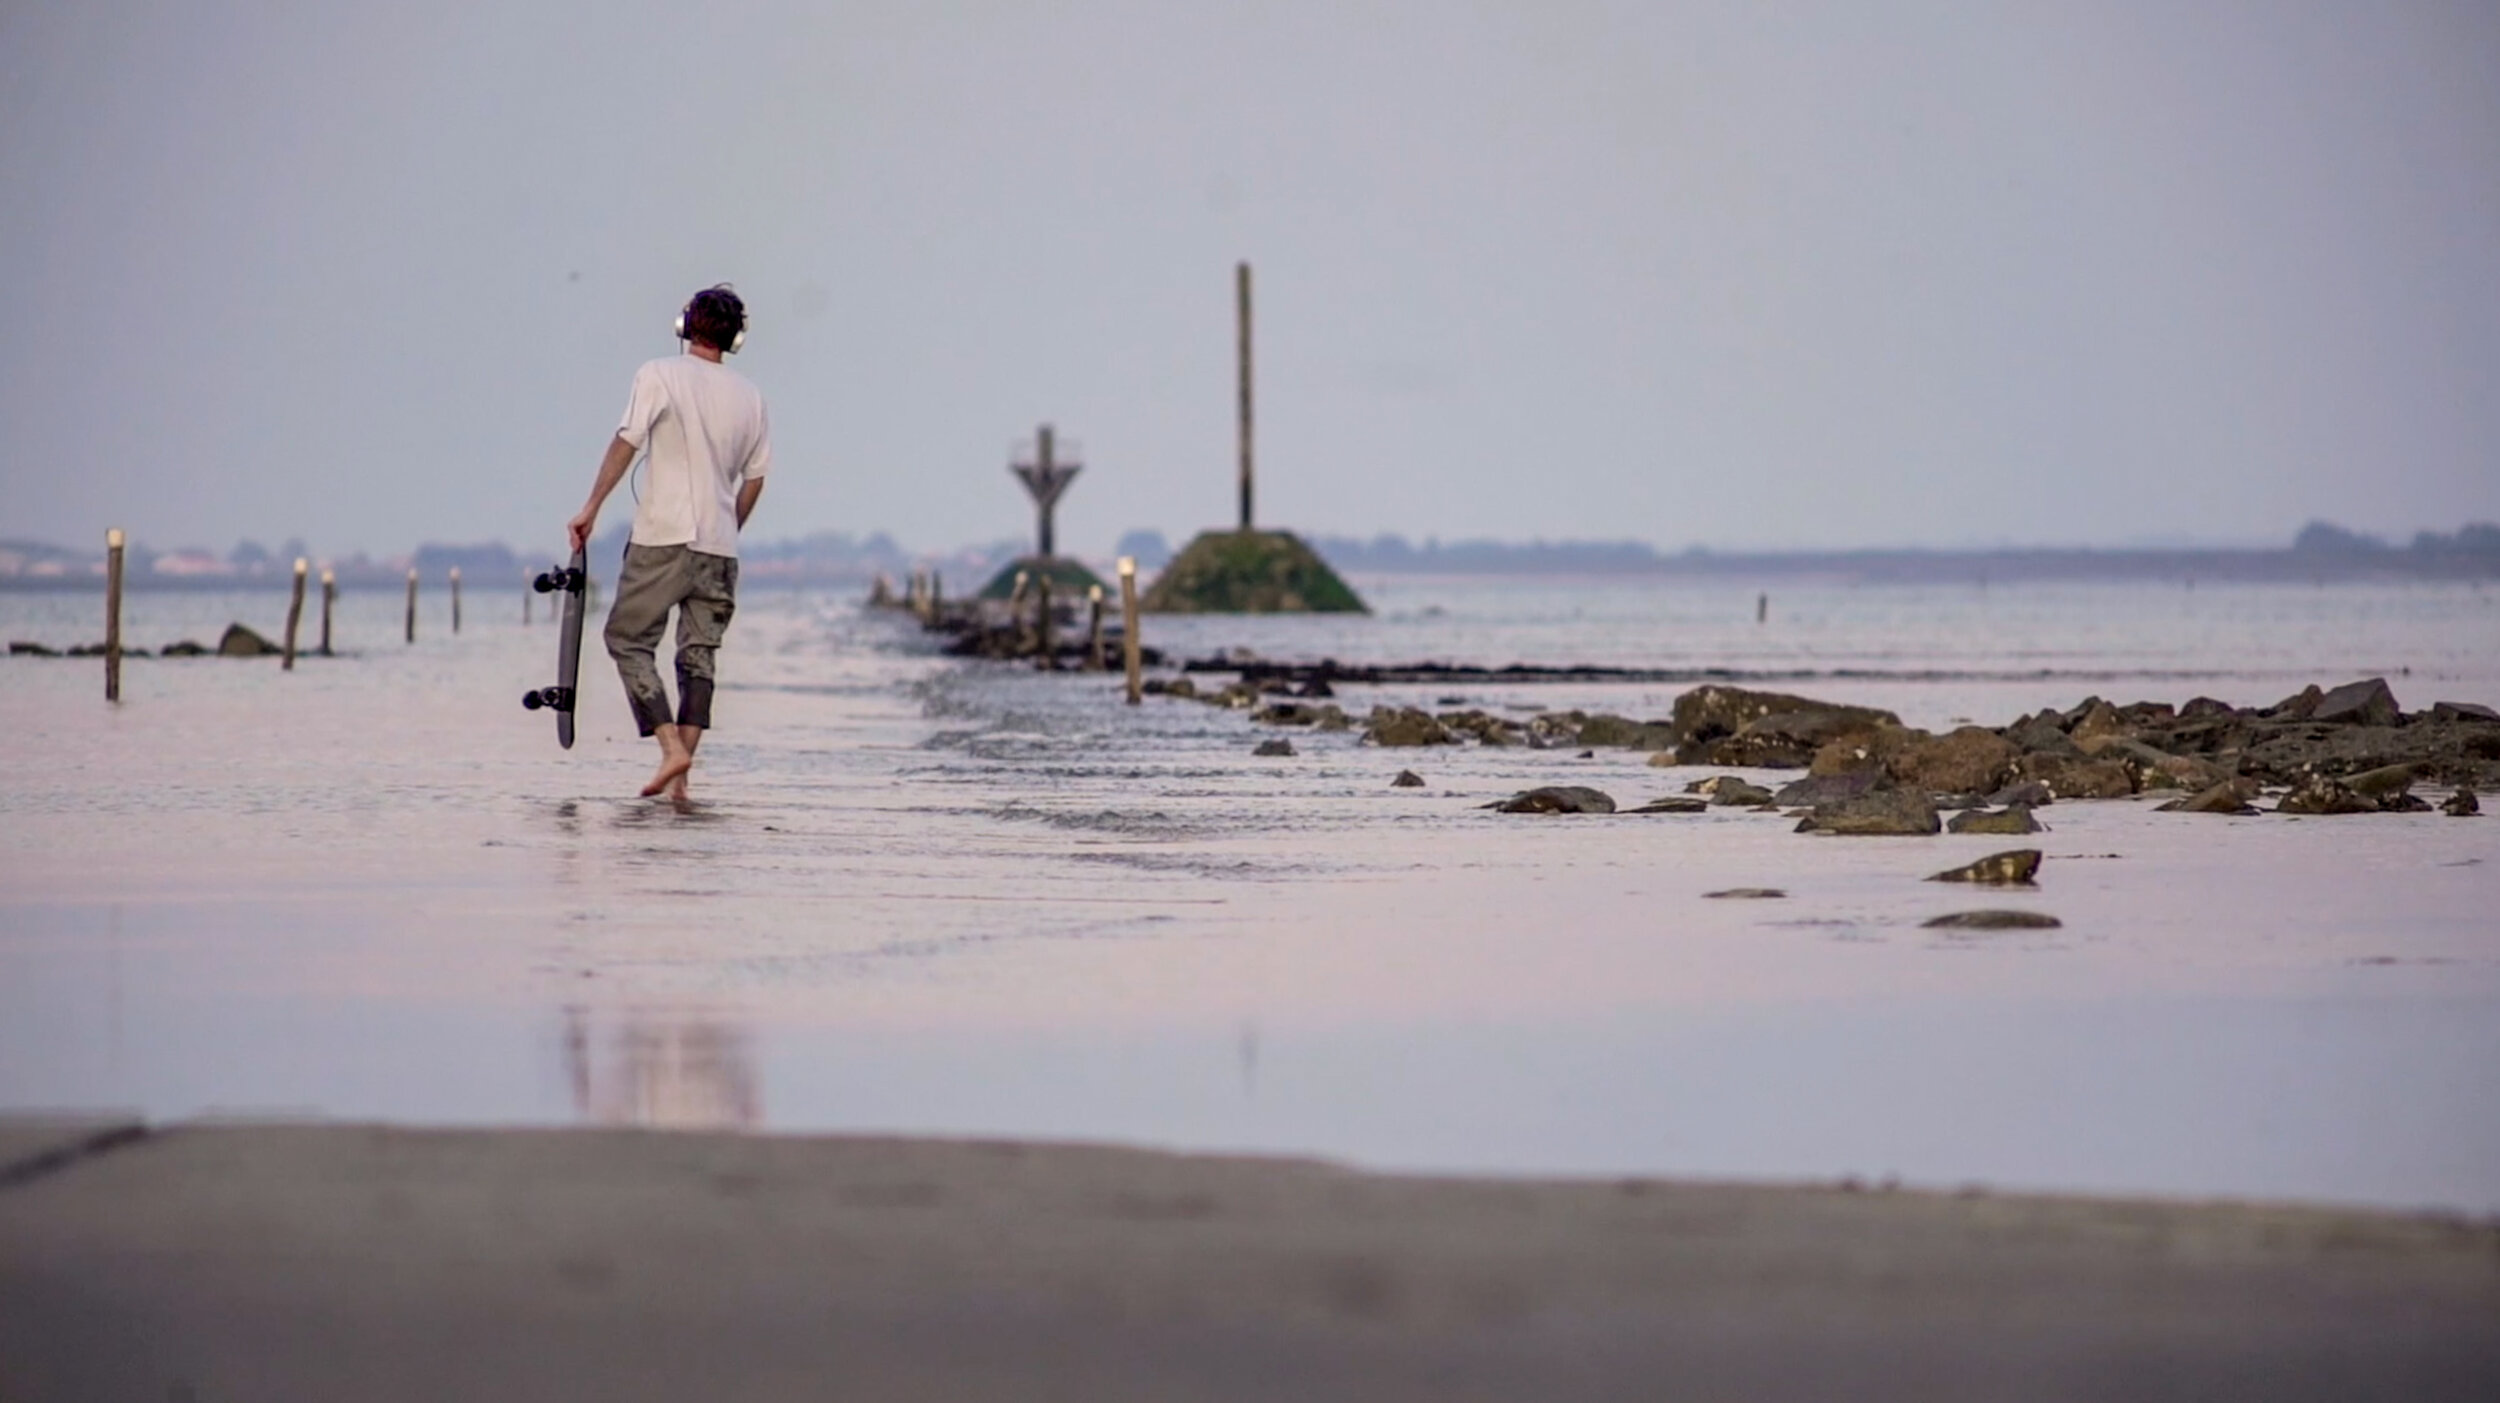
561, 698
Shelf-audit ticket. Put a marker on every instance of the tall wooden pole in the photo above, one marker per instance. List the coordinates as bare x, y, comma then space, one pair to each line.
1042, 533
113, 615
329, 604
1128, 629
294, 614
1241, 301
1093, 646
412, 604
455, 599
527, 592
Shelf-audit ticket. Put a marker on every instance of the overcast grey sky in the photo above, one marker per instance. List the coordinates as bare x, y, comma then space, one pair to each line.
1740, 273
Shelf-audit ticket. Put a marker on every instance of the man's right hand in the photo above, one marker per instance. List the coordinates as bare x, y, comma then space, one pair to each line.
579, 528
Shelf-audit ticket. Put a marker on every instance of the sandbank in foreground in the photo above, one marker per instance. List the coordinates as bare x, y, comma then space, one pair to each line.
211, 1261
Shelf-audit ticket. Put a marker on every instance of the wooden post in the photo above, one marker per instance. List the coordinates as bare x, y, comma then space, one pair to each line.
937, 597
455, 599
1128, 630
1045, 651
528, 592
1015, 610
412, 604
329, 603
1762, 608
1241, 307
294, 615
1093, 647
113, 615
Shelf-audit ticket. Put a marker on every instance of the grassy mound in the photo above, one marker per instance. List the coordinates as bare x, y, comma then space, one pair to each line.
1250, 572
1068, 579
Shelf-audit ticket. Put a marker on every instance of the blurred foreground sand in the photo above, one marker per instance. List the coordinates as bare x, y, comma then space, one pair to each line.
209, 1261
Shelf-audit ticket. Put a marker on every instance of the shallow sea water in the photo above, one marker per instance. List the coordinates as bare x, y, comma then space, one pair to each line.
928, 896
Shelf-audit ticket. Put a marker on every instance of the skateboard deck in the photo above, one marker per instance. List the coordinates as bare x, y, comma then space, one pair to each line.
571, 581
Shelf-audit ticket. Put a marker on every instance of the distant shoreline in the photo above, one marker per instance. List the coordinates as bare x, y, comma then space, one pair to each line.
2321, 553
1868, 567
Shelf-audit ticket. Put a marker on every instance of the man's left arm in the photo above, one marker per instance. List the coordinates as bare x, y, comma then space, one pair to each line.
748, 491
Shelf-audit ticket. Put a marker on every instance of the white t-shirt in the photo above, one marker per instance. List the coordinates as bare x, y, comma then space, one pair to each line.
703, 425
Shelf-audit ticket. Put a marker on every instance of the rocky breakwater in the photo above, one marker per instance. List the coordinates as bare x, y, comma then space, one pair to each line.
2347, 750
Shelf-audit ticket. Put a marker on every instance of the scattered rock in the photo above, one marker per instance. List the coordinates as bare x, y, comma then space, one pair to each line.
2069, 778
1767, 730
1674, 804
1830, 789
2320, 795
1181, 687
241, 642
1294, 713
22, 648
2298, 707
2384, 785
1559, 799
2229, 797
2098, 720
1969, 760
1663, 760
1407, 779
2367, 703
1747, 894
1316, 687
2462, 803
2463, 711
1585, 755
1729, 790
1621, 731
2030, 793
184, 648
1995, 920
1278, 746
2015, 868
1883, 813
2013, 821
1405, 725
1484, 726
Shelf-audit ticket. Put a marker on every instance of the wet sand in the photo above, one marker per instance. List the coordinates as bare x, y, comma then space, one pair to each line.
215, 1261
929, 900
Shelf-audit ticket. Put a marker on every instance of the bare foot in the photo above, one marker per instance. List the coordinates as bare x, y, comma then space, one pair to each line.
675, 760
677, 788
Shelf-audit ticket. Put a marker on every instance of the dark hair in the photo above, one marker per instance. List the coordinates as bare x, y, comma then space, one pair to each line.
715, 316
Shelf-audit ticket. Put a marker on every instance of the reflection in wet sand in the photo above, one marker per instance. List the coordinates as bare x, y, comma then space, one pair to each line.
661, 1071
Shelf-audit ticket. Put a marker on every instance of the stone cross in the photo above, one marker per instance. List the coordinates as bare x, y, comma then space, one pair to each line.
1045, 477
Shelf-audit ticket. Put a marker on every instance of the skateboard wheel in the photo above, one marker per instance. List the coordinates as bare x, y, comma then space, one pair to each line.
531, 701
546, 582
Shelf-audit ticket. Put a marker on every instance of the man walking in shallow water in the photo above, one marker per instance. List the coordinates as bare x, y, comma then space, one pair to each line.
703, 426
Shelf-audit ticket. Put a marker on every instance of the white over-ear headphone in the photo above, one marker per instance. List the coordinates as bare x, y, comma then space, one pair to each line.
737, 339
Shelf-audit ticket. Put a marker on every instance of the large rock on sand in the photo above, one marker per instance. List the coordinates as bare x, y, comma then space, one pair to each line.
2005, 869
1884, 813
2368, 703
241, 642
1559, 799
1971, 760
1405, 725
2320, 795
2070, 777
1708, 715
2010, 822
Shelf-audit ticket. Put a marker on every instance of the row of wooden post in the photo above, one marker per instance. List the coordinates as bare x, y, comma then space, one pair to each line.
115, 543
1045, 654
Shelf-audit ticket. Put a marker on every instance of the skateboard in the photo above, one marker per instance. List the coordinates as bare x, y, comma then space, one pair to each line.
571, 581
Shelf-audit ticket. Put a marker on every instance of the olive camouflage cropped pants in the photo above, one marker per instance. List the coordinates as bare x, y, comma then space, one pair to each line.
703, 589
